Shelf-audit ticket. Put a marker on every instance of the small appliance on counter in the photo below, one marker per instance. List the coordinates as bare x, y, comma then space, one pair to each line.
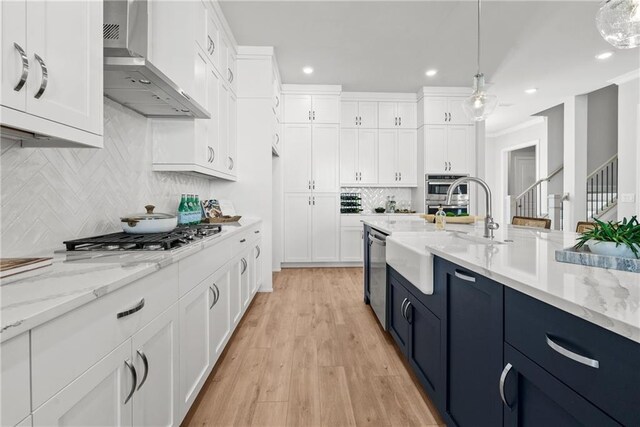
350, 203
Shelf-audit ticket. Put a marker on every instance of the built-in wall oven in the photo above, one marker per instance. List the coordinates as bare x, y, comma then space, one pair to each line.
436, 188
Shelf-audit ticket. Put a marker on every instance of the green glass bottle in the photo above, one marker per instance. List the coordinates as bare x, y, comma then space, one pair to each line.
198, 212
190, 208
182, 210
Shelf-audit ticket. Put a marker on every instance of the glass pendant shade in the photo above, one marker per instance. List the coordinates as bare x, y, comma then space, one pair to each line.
480, 104
619, 23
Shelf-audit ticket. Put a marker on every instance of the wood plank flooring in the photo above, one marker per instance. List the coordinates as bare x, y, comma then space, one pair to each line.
312, 354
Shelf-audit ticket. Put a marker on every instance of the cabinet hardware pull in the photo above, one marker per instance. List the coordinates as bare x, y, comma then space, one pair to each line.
257, 232
45, 76
216, 295
259, 251
399, 121
309, 115
213, 46
25, 67
314, 201
503, 379
466, 277
399, 176
449, 165
145, 362
571, 355
209, 156
309, 184
314, 115
213, 293
243, 240
406, 308
449, 116
230, 163
132, 310
134, 378
277, 139
314, 184
213, 154
244, 266
277, 101
183, 93
404, 301
395, 121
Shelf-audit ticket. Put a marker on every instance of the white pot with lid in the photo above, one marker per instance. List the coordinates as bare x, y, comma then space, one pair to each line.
149, 222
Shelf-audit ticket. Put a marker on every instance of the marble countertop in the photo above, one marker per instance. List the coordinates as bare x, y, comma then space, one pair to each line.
526, 263
76, 278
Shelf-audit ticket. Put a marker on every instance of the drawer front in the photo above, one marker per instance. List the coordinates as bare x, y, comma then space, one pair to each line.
351, 220
15, 394
197, 267
554, 339
67, 346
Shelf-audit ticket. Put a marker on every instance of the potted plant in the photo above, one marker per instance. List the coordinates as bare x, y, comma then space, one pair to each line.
620, 239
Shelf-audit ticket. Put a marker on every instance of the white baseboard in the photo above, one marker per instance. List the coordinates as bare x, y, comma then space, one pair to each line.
263, 289
321, 264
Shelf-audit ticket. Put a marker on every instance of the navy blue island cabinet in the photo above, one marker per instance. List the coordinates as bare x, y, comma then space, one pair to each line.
488, 355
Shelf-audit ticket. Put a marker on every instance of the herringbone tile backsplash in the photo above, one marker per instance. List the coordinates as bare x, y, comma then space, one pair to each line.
48, 195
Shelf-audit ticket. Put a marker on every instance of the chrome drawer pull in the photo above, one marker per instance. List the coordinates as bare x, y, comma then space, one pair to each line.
132, 310
214, 297
134, 378
25, 67
45, 76
571, 355
258, 252
404, 301
465, 277
503, 379
145, 362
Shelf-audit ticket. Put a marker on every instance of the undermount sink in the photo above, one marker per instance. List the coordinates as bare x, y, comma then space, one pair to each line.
409, 255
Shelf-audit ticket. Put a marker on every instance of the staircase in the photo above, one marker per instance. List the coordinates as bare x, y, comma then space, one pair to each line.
529, 202
602, 190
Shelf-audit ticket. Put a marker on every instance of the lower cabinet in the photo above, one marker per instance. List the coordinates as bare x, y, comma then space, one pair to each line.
257, 268
15, 384
236, 276
351, 244
246, 279
219, 314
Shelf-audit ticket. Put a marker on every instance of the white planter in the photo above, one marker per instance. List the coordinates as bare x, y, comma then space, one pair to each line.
610, 249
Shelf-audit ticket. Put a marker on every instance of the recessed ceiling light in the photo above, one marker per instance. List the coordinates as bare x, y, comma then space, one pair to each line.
307, 70
531, 91
431, 73
604, 55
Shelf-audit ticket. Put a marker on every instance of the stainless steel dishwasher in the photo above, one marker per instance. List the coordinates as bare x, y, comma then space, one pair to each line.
377, 264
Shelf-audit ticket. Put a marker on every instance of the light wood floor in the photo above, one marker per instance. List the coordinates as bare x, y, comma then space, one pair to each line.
312, 354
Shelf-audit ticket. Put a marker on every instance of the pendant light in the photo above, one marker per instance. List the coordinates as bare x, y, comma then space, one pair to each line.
619, 23
480, 104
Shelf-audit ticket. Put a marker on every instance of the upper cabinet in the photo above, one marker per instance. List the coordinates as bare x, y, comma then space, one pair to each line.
397, 115
51, 72
303, 108
441, 110
397, 152
449, 149
359, 114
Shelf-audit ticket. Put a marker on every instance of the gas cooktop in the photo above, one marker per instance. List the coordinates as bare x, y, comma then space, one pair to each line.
179, 237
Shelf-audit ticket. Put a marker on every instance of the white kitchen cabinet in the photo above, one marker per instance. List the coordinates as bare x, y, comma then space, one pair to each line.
155, 354
406, 157
397, 115
325, 224
276, 140
62, 95
449, 148
297, 227
358, 157
232, 140
325, 153
440, 110
219, 313
257, 270
397, 152
15, 387
351, 244
100, 396
207, 32
235, 283
245, 279
312, 109
359, 114
195, 346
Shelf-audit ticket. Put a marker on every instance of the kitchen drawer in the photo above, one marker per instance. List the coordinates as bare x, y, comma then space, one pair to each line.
244, 240
351, 220
15, 394
195, 268
65, 347
533, 327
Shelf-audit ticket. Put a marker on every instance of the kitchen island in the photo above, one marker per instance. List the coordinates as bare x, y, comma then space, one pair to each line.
509, 336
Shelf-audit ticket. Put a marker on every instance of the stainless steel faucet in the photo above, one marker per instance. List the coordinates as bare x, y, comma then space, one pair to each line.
489, 223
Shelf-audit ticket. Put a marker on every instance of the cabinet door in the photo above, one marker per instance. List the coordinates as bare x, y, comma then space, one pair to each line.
457, 114
297, 158
15, 390
200, 78
397, 298
368, 156
425, 347
459, 146
194, 343
155, 352
349, 114
235, 283
67, 36
536, 398
13, 18
325, 227
219, 313
297, 109
257, 271
223, 126
473, 325
224, 58
297, 227
96, 397
407, 115
435, 148
368, 114
232, 164
387, 157
326, 109
233, 72
212, 146
407, 153
351, 244
325, 158
348, 157
387, 115
245, 280
436, 110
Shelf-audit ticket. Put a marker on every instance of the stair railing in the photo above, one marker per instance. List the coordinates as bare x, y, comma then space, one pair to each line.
602, 188
529, 202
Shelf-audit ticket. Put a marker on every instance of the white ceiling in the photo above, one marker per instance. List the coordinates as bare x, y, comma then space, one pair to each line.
386, 46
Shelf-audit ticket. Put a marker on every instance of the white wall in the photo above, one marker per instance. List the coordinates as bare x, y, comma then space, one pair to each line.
555, 146
629, 147
49, 195
602, 126
496, 157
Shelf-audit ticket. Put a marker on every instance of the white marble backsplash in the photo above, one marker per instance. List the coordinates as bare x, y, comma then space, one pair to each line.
48, 195
373, 197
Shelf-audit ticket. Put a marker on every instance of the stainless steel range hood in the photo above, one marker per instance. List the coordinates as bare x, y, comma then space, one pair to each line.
129, 77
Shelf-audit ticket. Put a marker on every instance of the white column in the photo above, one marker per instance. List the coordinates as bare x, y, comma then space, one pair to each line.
575, 160
555, 210
478, 199
629, 147
509, 208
